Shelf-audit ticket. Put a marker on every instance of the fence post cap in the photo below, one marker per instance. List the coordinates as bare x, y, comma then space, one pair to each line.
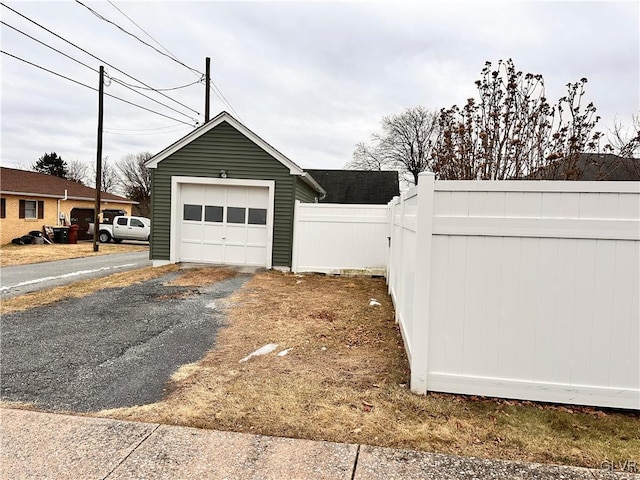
426, 174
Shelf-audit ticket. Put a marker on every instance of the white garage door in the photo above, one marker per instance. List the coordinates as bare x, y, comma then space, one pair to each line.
224, 224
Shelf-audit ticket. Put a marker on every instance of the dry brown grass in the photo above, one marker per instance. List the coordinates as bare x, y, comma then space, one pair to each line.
23, 254
345, 380
82, 288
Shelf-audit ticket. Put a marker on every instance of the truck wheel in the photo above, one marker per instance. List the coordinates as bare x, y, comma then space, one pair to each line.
104, 237
117, 240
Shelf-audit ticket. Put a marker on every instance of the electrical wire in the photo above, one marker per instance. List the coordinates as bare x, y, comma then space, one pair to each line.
97, 58
96, 71
144, 134
200, 80
49, 46
142, 29
145, 129
93, 88
222, 97
101, 17
215, 88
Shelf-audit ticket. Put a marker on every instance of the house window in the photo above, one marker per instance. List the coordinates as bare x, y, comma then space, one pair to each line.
30, 209
3, 208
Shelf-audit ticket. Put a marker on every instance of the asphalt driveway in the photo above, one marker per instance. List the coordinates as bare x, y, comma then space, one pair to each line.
115, 348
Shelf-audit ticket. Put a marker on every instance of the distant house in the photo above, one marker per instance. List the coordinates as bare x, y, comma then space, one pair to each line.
357, 186
29, 200
592, 167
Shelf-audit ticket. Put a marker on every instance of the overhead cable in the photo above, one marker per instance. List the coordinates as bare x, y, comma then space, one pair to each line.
101, 17
215, 89
97, 58
94, 70
93, 88
143, 30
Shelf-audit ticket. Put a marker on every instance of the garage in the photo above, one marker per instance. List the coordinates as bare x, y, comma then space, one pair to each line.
223, 195
225, 222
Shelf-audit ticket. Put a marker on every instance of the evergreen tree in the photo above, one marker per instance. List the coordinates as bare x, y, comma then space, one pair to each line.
51, 164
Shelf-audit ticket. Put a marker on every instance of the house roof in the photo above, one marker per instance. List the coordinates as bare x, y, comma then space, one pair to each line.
591, 167
226, 117
357, 186
35, 184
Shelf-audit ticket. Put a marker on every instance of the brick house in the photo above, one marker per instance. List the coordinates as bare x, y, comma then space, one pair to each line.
30, 200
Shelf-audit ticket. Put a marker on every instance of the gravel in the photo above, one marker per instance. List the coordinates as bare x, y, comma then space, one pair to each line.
115, 348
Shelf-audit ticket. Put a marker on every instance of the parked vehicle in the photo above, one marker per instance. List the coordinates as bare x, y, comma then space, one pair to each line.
124, 228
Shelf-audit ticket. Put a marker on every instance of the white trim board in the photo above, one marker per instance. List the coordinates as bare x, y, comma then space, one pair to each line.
628, 398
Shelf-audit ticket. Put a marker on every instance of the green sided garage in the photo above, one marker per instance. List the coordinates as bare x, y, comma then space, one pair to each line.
223, 195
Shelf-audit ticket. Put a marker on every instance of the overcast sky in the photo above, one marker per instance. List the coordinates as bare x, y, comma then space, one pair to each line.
312, 79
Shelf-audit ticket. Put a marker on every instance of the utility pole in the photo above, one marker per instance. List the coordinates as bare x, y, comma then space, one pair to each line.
207, 80
96, 209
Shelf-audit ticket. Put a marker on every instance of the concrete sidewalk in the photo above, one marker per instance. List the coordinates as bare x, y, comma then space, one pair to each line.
43, 445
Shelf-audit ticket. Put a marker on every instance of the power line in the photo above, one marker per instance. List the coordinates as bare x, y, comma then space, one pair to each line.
97, 58
215, 88
93, 88
219, 94
143, 30
164, 89
49, 46
133, 133
101, 17
94, 70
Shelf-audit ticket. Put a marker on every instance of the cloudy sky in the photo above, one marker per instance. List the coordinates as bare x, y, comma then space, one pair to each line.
311, 78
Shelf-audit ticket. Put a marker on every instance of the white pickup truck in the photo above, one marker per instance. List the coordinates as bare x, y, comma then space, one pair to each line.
124, 228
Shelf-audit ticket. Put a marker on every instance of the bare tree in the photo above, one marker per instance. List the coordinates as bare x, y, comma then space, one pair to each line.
135, 180
78, 172
109, 178
366, 157
512, 131
625, 141
405, 144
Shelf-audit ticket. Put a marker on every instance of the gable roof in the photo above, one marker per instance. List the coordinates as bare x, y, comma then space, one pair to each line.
226, 117
24, 182
592, 167
357, 186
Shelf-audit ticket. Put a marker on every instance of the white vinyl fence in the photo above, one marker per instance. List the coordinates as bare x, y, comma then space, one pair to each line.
340, 239
520, 289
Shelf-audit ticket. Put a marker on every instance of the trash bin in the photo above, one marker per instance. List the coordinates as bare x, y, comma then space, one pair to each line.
73, 233
61, 234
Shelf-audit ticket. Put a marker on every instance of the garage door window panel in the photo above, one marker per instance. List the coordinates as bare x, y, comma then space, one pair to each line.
192, 212
257, 216
213, 214
236, 215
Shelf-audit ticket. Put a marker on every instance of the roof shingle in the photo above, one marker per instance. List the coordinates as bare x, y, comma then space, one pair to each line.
13, 181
